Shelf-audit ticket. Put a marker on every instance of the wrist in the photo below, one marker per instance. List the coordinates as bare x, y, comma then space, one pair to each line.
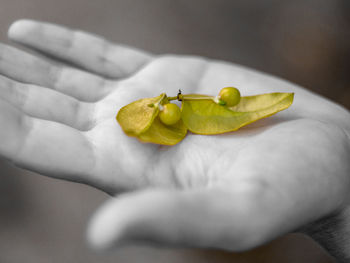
333, 234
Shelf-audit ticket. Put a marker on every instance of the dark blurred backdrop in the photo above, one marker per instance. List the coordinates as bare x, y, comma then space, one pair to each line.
306, 42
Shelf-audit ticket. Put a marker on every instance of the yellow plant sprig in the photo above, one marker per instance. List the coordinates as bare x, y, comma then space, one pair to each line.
201, 114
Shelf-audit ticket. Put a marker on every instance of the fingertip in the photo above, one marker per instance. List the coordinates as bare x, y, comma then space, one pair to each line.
95, 240
20, 28
104, 230
121, 221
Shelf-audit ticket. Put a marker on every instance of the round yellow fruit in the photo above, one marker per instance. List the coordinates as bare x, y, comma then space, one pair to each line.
170, 114
230, 95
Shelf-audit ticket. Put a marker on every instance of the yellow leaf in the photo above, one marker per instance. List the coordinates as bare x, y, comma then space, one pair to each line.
204, 116
141, 119
137, 117
160, 133
263, 101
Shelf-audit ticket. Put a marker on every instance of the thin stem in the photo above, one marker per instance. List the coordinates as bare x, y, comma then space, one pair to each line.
190, 97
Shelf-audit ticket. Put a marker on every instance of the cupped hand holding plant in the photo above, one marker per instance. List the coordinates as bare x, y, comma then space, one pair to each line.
232, 191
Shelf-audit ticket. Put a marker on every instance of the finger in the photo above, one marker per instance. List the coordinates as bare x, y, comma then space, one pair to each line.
47, 104
216, 218
80, 48
44, 147
25, 67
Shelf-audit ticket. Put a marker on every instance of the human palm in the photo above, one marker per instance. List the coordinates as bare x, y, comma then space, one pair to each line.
232, 191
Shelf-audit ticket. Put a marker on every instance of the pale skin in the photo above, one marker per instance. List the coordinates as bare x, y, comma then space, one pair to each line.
234, 191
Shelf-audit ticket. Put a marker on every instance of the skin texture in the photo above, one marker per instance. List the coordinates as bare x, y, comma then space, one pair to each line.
234, 191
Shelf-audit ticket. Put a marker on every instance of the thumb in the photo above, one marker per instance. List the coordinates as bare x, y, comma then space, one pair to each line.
214, 218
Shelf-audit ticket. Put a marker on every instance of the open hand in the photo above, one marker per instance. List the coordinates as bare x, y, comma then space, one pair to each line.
233, 191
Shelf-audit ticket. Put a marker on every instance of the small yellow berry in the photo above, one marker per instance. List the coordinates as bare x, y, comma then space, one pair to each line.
230, 95
170, 114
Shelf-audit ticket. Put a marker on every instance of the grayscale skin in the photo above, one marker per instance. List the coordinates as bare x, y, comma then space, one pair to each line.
289, 172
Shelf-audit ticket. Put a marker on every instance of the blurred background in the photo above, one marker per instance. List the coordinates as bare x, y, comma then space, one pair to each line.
306, 42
